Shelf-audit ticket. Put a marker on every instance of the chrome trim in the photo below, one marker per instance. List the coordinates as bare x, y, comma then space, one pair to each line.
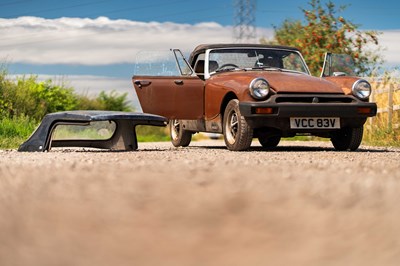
354, 87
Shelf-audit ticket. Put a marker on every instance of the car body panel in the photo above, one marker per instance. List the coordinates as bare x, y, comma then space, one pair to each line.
345, 82
218, 86
173, 97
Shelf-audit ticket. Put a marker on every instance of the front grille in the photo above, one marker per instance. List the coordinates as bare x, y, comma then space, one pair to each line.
313, 99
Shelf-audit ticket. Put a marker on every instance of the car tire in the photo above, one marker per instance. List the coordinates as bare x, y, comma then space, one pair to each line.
269, 142
347, 139
237, 133
179, 136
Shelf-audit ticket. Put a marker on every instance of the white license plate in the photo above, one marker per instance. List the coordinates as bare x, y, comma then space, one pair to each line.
314, 122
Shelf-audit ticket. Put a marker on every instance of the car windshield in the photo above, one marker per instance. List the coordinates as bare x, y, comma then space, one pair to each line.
252, 58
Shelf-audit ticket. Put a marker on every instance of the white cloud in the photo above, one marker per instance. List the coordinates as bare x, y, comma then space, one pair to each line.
100, 41
104, 41
390, 40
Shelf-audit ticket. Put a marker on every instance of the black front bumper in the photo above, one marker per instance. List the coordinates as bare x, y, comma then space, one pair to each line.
277, 115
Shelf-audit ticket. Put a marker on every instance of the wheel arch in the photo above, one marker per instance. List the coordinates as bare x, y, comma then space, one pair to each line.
228, 97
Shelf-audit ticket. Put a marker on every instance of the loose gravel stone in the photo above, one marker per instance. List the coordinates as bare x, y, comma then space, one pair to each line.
300, 204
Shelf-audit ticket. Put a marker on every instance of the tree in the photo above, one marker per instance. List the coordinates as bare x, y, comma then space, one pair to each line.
325, 30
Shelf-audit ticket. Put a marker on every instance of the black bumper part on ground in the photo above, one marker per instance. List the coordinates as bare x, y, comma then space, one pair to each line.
124, 137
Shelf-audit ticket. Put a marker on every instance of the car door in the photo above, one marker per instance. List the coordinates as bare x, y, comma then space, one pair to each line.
336, 65
166, 85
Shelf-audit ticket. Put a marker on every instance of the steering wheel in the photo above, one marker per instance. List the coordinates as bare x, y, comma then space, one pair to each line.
227, 65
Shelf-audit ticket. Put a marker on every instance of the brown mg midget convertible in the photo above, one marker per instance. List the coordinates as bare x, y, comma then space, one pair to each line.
247, 91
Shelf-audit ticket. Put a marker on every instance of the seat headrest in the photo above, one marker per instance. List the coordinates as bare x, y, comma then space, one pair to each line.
199, 67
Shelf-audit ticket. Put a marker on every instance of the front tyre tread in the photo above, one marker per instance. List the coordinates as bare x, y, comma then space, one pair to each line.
238, 135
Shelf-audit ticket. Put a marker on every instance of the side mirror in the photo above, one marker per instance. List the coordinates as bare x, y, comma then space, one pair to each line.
339, 74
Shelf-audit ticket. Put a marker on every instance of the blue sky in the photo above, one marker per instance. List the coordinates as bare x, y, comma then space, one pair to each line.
77, 41
370, 14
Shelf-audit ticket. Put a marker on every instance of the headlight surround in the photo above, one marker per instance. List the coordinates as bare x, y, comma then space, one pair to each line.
361, 89
259, 88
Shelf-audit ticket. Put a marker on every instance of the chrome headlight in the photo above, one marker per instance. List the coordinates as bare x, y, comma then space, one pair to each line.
259, 88
361, 89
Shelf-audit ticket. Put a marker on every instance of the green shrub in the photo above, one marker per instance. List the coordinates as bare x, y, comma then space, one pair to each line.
111, 101
15, 130
28, 97
151, 133
24, 102
114, 102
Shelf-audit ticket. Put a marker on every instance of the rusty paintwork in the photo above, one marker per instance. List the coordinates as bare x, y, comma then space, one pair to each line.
173, 97
221, 101
345, 83
218, 86
193, 98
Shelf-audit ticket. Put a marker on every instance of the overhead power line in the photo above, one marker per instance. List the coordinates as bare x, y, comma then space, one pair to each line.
49, 10
14, 3
244, 29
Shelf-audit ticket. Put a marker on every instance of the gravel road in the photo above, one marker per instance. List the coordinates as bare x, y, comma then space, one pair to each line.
301, 204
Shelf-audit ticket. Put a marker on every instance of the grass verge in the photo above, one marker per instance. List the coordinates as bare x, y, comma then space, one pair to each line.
14, 131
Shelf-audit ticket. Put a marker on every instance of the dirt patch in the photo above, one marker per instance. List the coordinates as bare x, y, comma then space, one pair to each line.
302, 204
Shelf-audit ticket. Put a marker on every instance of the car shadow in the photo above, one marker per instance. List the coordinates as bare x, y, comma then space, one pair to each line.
255, 148
301, 148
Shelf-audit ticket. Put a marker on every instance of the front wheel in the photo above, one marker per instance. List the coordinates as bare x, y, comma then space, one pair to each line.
237, 133
347, 139
179, 136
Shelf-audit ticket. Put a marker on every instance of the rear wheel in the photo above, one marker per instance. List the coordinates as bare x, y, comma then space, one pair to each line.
179, 136
269, 142
347, 139
237, 133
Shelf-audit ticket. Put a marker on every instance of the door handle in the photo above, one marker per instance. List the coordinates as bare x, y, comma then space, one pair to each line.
178, 82
141, 83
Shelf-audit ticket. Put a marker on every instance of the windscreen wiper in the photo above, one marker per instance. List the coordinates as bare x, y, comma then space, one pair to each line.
268, 68
226, 69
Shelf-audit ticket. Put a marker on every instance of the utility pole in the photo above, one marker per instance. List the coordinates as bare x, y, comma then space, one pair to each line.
245, 17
